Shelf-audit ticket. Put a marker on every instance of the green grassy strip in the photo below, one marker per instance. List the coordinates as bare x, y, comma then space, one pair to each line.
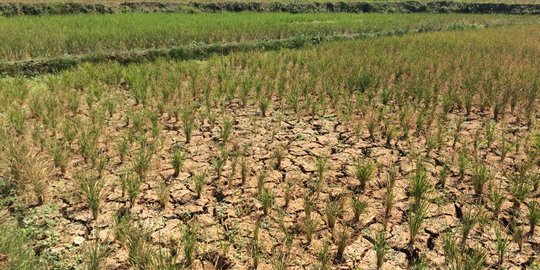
14, 9
37, 67
23, 37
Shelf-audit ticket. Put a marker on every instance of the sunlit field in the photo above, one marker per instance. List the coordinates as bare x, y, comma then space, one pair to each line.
407, 152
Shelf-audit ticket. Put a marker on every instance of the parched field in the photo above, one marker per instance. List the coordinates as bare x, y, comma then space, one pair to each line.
418, 151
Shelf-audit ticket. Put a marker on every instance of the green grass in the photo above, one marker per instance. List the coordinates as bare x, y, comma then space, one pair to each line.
51, 36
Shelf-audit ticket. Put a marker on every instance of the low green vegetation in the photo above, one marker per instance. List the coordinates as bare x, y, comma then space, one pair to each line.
24, 37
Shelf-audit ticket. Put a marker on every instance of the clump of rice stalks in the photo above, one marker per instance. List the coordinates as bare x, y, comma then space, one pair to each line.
91, 189
497, 200
60, 155
359, 206
96, 253
266, 199
163, 192
260, 182
243, 170
502, 245
489, 132
468, 221
381, 248
178, 157
220, 161
278, 156
122, 148
132, 183
253, 246
321, 164
480, 176
443, 176
287, 190
519, 189
309, 203
341, 239
310, 226
199, 180
188, 122
420, 186
450, 248
264, 104
533, 216
226, 130
333, 211
416, 217
143, 158
189, 243
324, 257
463, 163
363, 172
389, 197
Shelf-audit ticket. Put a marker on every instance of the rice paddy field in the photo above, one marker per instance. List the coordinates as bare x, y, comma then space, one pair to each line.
418, 148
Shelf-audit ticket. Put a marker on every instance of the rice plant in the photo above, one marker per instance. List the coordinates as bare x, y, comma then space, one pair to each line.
533, 216
363, 172
200, 181
91, 188
381, 248
480, 176
190, 244
359, 206
178, 157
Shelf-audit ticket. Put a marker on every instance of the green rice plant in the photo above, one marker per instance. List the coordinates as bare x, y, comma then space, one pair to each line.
443, 175
123, 148
188, 122
91, 188
260, 181
381, 248
341, 238
416, 217
16, 117
323, 257
60, 155
287, 191
480, 176
497, 199
243, 170
459, 125
463, 163
334, 210
278, 156
96, 253
502, 245
253, 246
468, 221
450, 248
310, 226
137, 242
533, 216
321, 165
264, 105
309, 204
190, 244
219, 162
200, 182
489, 132
133, 187
266, 199
226, 130
143, 159
420, 186
178, 157
363, 172
518, 234
359, 206
163, 193
519, 189
88, 143
371, 126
